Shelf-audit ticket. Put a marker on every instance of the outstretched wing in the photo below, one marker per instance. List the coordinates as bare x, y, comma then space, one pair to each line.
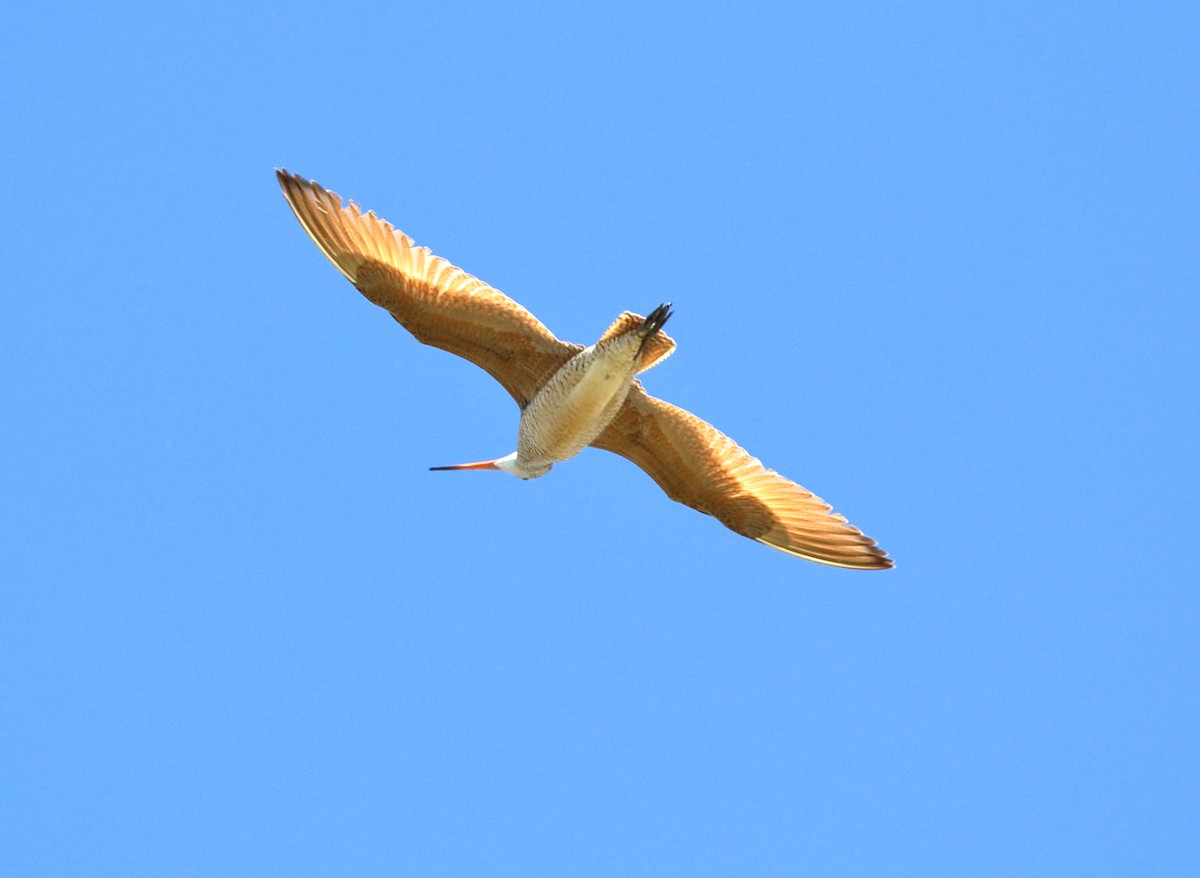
438, 303
701, 467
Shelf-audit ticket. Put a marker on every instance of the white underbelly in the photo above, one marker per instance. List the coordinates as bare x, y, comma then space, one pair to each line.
575, 406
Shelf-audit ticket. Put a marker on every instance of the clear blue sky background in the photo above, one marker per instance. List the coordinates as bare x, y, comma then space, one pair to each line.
936, 261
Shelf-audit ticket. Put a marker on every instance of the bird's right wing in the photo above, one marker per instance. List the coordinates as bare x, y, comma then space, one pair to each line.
701, 467
438, 303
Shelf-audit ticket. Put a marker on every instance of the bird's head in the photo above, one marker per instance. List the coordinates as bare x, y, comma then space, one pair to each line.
508, 464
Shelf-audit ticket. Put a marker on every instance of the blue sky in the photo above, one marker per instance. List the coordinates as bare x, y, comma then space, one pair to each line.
935, 261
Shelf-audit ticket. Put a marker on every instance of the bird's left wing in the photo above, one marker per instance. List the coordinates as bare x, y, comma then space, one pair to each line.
440, 304
701, 467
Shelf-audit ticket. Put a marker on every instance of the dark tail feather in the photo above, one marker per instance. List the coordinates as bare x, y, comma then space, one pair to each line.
656, 320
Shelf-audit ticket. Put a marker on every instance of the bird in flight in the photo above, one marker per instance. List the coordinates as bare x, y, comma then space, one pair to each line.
571, 396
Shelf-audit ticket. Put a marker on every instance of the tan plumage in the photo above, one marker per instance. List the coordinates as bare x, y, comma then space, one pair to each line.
697, 465
693, 462
438, 303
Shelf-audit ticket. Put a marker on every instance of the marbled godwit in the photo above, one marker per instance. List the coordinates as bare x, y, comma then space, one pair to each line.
571, 396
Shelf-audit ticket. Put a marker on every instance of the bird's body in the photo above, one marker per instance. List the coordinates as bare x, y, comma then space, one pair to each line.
572, 397
585, 394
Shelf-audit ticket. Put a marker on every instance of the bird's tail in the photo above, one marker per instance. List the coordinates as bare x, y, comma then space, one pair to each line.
655, 345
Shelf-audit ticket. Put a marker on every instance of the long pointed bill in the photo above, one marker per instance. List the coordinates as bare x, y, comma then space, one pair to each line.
483, 464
